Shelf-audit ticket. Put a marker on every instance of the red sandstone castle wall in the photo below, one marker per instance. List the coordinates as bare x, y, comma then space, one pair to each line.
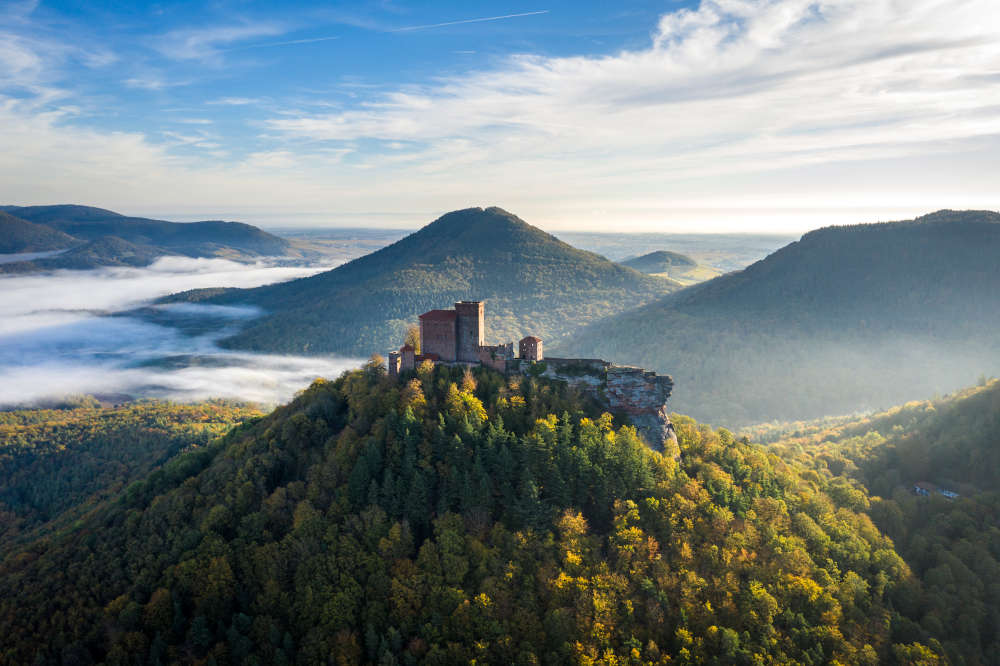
437, 336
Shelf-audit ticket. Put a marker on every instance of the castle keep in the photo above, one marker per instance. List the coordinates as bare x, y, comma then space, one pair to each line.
457, 337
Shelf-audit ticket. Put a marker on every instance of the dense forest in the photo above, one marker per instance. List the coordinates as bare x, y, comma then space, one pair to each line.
951, 544
462, 517
847, 319
56, 463
534, 284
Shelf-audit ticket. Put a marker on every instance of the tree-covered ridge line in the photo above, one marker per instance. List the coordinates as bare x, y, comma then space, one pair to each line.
952, 545
94, 237
846, 319
455, 517
58, 463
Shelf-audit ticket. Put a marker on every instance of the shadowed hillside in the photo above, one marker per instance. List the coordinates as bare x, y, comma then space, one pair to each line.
847, 318
534, 283
18, 235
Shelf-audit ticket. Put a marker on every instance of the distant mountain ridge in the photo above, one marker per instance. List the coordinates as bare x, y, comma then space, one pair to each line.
534, 283
113, 239
846, 318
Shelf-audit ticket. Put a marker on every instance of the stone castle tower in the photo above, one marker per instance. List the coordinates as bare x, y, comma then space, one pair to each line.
470, 330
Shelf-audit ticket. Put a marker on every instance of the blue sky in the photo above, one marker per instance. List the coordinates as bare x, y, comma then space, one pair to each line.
700, 116
179, 67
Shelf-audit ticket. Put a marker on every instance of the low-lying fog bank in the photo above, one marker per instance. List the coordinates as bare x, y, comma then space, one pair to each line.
57, 340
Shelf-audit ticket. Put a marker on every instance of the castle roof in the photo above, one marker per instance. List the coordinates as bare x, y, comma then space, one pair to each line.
531, 337
439, 315
406, 348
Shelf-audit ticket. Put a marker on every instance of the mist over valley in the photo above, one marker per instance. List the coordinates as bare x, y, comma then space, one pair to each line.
72, 332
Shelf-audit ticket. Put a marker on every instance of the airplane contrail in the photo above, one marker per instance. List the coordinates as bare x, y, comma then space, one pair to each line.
474, 20
288, 43
410, 28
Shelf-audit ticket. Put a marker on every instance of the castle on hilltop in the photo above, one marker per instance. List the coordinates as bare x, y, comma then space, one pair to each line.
457, 337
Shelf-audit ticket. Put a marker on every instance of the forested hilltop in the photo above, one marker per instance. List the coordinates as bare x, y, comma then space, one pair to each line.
846, 319
952, 544
452, 517
672, 265
535, 284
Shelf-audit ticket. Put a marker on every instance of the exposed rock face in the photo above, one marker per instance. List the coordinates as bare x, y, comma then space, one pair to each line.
643, 396
640, 394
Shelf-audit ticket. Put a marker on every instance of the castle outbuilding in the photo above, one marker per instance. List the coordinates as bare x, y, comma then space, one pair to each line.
530, 348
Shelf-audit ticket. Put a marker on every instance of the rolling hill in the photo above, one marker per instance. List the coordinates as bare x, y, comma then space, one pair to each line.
533, 282
847, 318
672, 265
104, 238
18, 235
660, 261
456, 518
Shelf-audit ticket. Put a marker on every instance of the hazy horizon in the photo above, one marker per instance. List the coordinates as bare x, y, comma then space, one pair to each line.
787, 223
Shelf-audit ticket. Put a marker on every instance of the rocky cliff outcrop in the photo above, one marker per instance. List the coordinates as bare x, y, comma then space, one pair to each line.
640, 394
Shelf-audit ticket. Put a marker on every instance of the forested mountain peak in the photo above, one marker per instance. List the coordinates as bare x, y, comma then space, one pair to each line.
478, 233
459, 516
535, 284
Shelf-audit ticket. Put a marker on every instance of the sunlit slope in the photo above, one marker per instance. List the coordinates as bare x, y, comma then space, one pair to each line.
533, 284
452, 518
951, 544
847, 318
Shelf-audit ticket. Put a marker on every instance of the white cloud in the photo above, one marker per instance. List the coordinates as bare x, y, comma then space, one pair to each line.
738, 106
207, 43
730, 88
154, 82
233, 101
